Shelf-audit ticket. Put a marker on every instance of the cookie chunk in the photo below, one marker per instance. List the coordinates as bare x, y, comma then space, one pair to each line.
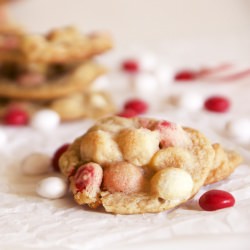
141, 165
225, 162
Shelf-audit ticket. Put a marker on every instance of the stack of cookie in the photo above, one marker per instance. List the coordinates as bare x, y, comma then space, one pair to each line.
54, 71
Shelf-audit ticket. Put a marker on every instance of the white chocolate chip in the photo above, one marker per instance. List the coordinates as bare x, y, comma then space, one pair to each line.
99, 146
36, 164
164, 74
239, 129
52, 188
145, 84
45, 120
172, 183
191, 101
147, 61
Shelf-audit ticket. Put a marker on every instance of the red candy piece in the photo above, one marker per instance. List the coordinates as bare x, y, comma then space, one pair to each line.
185, 75
216, 199
130, 66
128, 113
57, 155
16, 117
139, 106
217, 104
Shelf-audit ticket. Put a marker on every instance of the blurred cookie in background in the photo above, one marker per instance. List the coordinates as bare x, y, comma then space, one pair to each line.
55, 70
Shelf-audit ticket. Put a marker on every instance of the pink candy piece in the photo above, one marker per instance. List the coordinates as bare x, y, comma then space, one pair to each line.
88, 177
30, 79
216, 199
168, 133
9, 43
123, 177
171, 134
16, 117
218, 104
130, 66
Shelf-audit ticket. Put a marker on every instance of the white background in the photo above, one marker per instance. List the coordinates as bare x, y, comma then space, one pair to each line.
212, 29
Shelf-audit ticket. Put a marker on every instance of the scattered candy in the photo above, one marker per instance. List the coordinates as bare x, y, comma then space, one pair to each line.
130, 66
36, 164
147, 62
185, 75
45, 120
239, 129
16, 117
164, 75
52, 188
57, 155
216, 199
145, 84
128, 113
139, 106
190, 101
218, 104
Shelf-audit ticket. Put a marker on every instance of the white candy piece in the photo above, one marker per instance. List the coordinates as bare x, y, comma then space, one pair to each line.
36, 164
145, 84
172, 183
147, 61
164, 74
239, 129
45, 120
52, 188
190, 101
3, 138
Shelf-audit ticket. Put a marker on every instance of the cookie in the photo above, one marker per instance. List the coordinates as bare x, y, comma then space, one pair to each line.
63, 45
137, 165
78, 79
225, 162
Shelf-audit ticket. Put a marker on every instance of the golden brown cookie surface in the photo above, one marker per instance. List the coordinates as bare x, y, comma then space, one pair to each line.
139, 165
225, 163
